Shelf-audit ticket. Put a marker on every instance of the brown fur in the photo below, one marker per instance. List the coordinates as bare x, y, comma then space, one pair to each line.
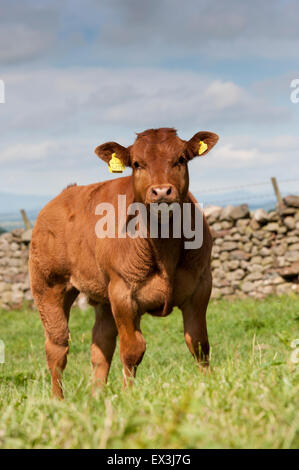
122, 277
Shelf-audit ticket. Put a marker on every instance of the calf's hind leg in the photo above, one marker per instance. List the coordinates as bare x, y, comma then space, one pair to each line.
54, 308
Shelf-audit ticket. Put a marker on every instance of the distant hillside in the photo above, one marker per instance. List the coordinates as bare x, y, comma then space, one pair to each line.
14, 202
10, 221
10, 205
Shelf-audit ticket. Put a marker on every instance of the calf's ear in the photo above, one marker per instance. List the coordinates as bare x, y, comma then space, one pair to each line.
106, 150
201, 143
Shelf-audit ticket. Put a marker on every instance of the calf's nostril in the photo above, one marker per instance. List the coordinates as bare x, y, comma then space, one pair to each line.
161, 192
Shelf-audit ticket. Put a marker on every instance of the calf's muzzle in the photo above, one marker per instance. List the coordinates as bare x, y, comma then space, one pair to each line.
162, 193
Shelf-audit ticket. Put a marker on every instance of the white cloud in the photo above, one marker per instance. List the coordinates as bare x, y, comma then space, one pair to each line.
228, 155
244, 152
23, 153
77, 99
133, 32
27, 31
19, 43
222, 30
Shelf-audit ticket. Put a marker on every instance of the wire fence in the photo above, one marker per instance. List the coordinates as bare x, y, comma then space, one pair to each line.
220, 195
246, 186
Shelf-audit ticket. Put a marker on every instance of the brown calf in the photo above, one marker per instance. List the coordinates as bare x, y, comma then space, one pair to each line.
122, 277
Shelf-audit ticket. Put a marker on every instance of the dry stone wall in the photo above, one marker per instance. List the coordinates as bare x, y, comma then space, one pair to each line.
254, 254
14, 276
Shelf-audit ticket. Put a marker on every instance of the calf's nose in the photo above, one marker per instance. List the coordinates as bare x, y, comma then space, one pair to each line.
162, 193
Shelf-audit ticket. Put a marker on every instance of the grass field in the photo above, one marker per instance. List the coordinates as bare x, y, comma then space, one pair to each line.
250, 400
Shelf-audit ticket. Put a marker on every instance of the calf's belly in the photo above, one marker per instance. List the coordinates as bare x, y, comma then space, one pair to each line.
94, 285
157, 291
152, 295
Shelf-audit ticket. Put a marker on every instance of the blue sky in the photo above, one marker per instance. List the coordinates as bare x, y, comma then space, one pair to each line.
78, 74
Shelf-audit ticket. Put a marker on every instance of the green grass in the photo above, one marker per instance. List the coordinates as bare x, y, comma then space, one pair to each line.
250, 400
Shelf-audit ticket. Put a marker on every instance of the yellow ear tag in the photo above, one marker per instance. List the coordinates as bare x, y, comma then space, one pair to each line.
202, 147
116, 165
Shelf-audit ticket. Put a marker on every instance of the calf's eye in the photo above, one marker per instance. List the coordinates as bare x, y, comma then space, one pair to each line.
136, 165
181, 160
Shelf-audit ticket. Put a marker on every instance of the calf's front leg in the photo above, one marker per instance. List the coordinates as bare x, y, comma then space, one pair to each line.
131, 341
104, 335
195, 325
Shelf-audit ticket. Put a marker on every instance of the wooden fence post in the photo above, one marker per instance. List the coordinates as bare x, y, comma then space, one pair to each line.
276, 190
25, 220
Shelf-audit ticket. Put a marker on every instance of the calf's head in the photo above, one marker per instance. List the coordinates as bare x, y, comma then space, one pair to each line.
159, 159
